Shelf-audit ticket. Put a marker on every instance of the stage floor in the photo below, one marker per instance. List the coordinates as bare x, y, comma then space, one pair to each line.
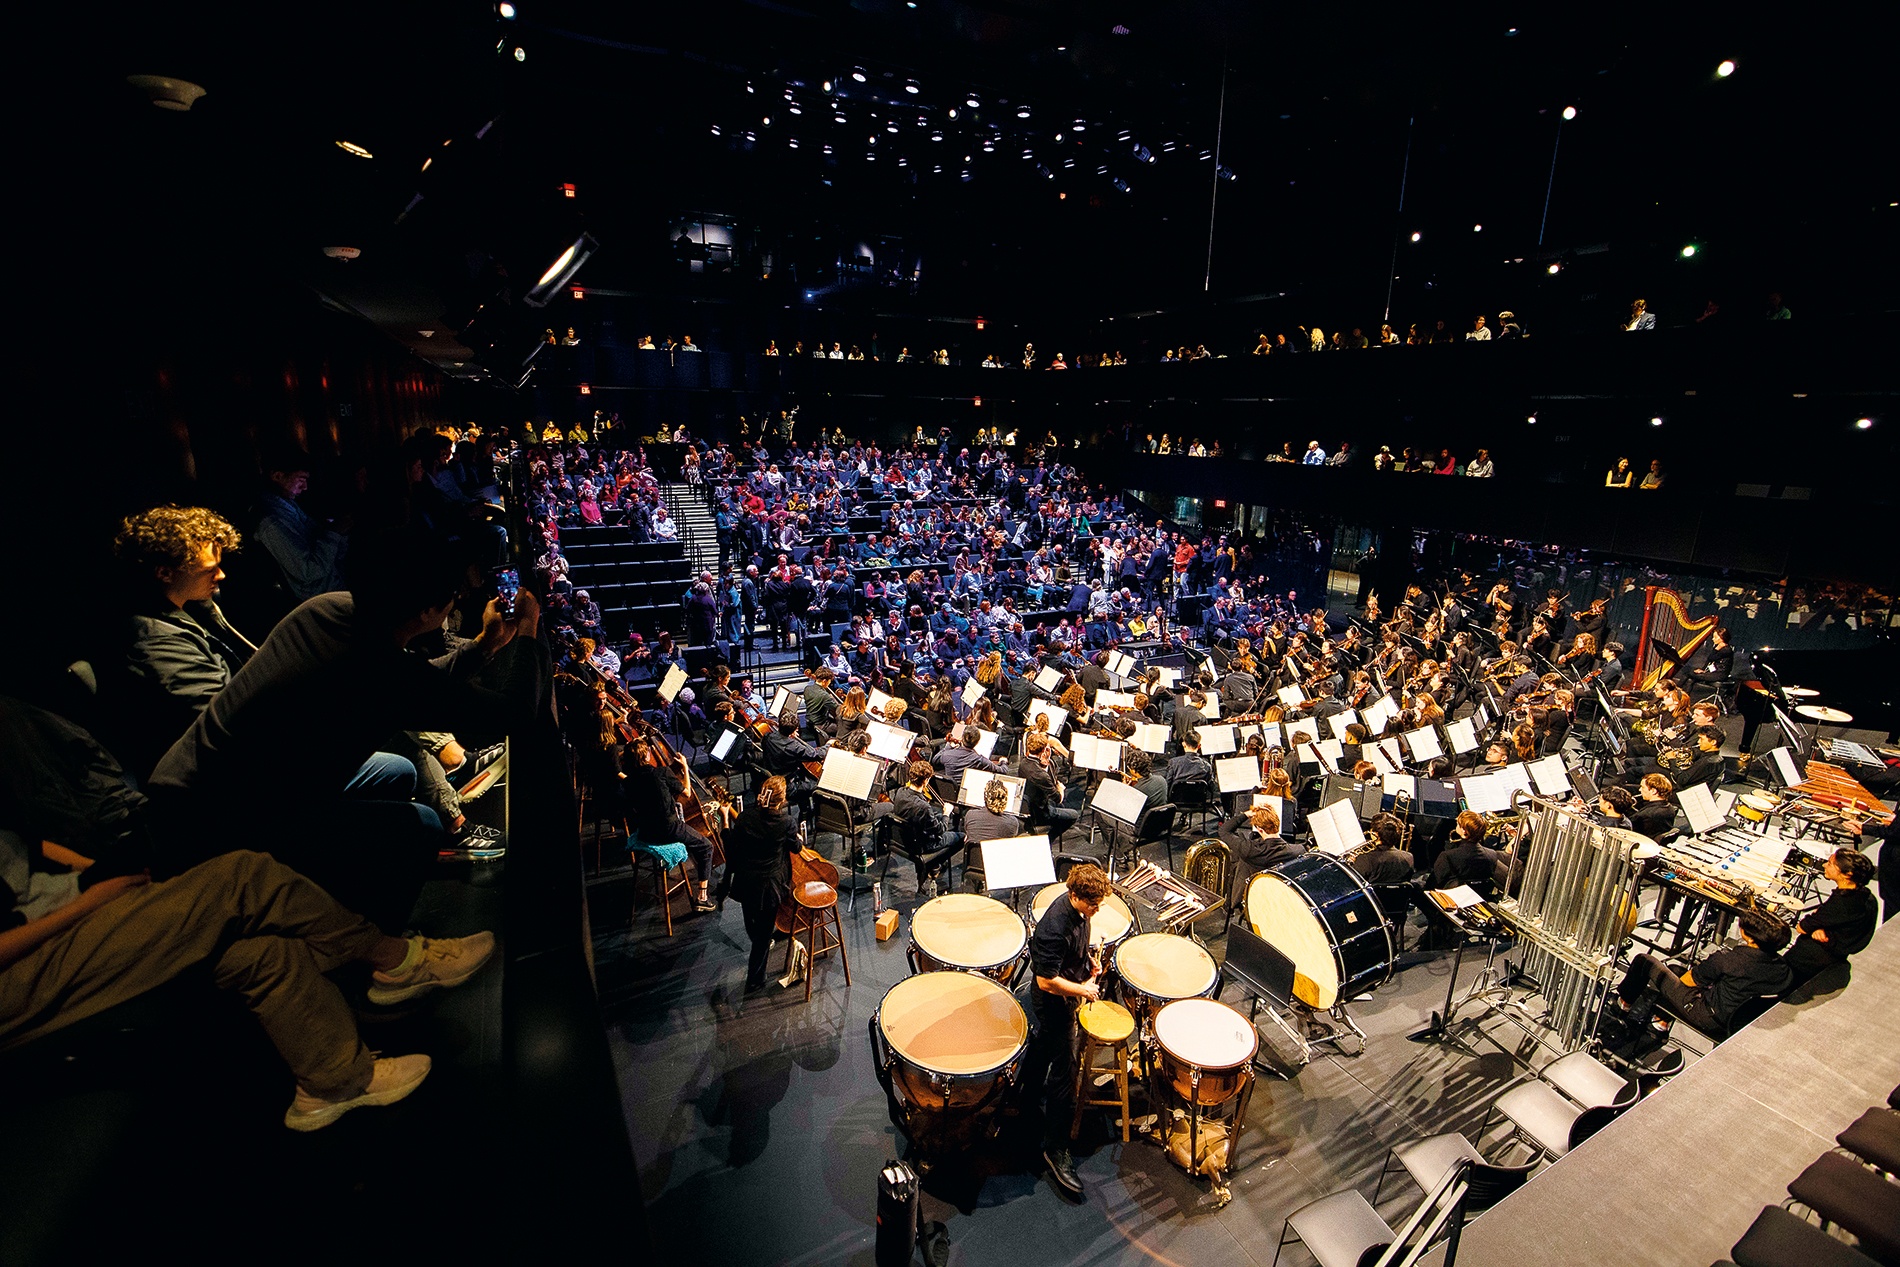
760, 1128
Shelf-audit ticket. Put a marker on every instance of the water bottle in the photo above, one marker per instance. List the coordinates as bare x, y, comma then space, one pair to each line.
877, 897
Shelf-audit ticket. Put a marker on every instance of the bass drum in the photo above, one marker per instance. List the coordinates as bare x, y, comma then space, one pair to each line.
1317, 912
949, 1041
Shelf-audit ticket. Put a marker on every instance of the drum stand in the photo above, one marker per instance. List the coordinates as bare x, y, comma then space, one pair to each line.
1217, 1184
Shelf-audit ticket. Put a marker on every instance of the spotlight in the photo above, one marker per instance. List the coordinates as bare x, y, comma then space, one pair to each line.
973, 102
966, 174
715, 130
1656, 421
521, 54
857, 73
1043, 171
1225, 174
989, 147
1725, 69
166, 93
936, 136
1532, 420
766, 120
1064, 195
1068, 162
1080, 125
1123, 135
837, 118
791, 142
910, 85
1863, 424
825, 87
1059, 138
872, 138
351, 147
1142, 155
953, 112
748, 88
1555, 269
1688, 252
827, 149
1120, 184
1022, 112
794, 108
1570, 112
891, 128
505, 9
1477, 228
561, 271
1207, 156
1416, 236
870, 156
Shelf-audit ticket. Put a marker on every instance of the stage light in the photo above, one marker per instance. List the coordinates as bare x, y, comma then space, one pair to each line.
1863, 424
427, 163
910, 86
795, 108
1207, 156
953, 112
766, 120
825, 87
1655, 422
1570, 112
521, 54
1080, 125
559, 273
505, 9
352, 148
1226, 174
936, 136
837, 118
857, 73
1120, 184
1688, 252
1725, 69
792, 142
827, 149
1063, 196
715, 129
973, 102
1068, 162
1532, 420
1417, 236
1554, 269
1022, 112
1477, 228
870, 157
989, 147
1059, 138
749, 89
891, 128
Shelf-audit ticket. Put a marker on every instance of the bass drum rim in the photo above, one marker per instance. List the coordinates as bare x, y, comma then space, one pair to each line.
1324, 995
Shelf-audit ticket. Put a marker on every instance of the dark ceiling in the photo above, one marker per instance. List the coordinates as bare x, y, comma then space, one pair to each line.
1782, 173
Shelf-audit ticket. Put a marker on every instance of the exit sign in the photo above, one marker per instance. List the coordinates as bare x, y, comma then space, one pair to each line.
1219, 504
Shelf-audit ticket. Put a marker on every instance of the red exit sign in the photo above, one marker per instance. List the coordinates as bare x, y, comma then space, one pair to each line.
1219, 504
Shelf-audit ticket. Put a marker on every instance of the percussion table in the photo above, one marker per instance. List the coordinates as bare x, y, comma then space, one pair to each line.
1149, 893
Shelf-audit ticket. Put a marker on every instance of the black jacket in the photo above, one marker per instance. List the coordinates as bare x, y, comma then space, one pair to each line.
758, 853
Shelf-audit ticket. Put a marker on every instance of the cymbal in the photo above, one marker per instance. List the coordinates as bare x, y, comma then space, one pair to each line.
1799, 692
1821, 713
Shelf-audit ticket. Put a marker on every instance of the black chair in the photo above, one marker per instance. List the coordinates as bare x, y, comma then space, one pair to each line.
1844, 1192
899, 839
1196, 796
1779, 1239
1427, 1160
1875, 1139
1396, 901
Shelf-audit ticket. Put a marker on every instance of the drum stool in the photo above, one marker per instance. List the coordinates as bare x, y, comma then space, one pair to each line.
815, 920
664, 857
1106, 1027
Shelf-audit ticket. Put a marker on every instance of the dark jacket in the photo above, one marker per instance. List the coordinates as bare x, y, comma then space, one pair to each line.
758, 854
176, 660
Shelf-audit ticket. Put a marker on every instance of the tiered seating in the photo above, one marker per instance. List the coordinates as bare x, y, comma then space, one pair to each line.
638, 586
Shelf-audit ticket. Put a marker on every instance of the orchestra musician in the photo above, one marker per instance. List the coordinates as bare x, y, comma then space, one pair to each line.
650, 796
989, 821
1065, 975
1707, 995
759, 870
1044, 791
1385, 864
821, 703
783, 753
1254, 836
928, 837
1842, 925
959, 755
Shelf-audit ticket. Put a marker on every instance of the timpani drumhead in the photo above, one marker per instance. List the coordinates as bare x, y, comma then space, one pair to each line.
1110, 923
1165, 965
1281, 917
968, 930
1205, 1034
953, 1022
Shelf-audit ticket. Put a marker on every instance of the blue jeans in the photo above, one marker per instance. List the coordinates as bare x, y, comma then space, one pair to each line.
384, 777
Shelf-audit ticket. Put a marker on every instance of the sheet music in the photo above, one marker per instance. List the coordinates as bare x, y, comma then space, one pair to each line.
1463, 737
985, 742
1273, 734
1216, 740
973, 691
1386, 755
1121, 665
1336, 829
1485, 794
848, 774
1058, 716
780, 698
1516, 777
1090, 753
1333, 754
1237, 774
1169, 676
1424, 743
970, 790
889, 742
1698, 805
1549, 775
1343, 718
670, 685
1151, 738
1278, 804
1048, 679
727, 740
1017, 862
1243, 733
1113, 699
877, 700
1783, 761
1392, 784
1291, 696
1378, 713
1210, 707
1482, 713
1119, 801
1306, 726
1460, 898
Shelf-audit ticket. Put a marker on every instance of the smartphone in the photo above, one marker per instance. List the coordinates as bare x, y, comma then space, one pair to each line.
507, 586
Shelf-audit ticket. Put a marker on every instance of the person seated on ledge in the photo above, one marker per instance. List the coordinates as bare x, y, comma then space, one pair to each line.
1708, 995
82, 930
1842, 925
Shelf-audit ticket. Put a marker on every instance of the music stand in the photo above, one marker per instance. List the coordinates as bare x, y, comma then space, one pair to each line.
1016, 863
1266, 975
1671, 657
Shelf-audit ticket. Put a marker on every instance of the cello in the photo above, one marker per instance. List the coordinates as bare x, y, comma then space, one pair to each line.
650, 747
808, 867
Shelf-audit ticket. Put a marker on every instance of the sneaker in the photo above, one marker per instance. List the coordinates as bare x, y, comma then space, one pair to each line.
437, 962
1062, 1169
394, 1078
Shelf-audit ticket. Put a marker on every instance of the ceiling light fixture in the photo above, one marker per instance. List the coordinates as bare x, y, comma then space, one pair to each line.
1570, 112
559, 273
1656, 421
825, 86
506, 10
910, 86
351, 147
973, 102
1022, 112
1688, 252
521, 54
1725, 69
1554, 269
1477, 228
1417, 236
1863, 424
857, 73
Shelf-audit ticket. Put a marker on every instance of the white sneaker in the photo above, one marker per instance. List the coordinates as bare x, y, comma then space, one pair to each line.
440, 961
394, 1078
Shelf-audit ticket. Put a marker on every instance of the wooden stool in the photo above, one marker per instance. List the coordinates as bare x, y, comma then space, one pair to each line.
640, 851
815, 920
1106, 1027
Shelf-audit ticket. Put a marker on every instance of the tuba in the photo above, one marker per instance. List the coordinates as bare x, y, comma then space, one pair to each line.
1208, 864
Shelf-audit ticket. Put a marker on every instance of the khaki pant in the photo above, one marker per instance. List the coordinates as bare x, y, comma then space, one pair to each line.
268, 933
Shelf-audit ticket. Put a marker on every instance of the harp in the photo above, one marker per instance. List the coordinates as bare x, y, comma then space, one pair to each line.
1669, 637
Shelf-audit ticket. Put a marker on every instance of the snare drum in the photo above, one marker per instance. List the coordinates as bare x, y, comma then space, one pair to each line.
966, 932
1317, 912
952, 1040
1155, 969
1205, 1049
1106, 927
